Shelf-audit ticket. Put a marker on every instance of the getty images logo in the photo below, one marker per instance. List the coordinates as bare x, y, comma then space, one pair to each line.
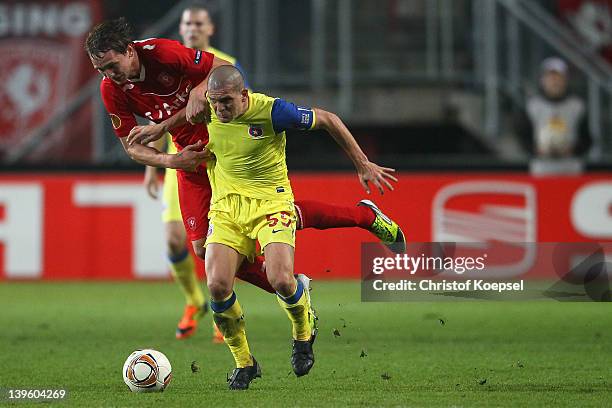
480, 212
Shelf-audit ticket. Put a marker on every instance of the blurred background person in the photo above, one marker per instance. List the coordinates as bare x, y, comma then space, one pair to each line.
555, 124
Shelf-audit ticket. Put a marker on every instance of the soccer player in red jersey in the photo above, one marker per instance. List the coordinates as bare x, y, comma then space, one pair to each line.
153, 79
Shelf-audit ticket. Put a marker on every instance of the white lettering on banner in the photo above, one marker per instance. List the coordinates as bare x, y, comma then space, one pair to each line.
590, 210
34, 19
21, 229
148, 246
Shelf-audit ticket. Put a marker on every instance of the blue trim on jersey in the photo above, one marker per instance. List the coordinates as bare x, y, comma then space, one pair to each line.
180, 257
293, 299
286, 115
220, 307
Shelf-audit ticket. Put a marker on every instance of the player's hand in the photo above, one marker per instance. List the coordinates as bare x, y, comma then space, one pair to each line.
198, 108
192, 156
151, 182
145, 134
379, 176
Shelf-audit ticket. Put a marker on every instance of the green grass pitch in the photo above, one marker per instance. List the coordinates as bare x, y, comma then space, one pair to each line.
77, 335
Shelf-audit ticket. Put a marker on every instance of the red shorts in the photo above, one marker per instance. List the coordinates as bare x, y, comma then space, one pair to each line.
194, 197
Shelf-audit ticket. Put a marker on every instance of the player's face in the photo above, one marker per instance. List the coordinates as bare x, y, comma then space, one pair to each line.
196, 28
228, 104
116, 66
554, 84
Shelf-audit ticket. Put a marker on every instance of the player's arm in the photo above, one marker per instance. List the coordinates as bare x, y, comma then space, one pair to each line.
155, 131
368, 171
151, 179
198, 110
286, 115
187, 159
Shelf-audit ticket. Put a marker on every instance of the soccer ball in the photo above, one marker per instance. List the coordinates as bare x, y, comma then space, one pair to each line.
147, 371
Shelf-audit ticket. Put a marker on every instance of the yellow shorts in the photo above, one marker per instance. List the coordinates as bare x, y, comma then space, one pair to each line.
170, 198
239, 222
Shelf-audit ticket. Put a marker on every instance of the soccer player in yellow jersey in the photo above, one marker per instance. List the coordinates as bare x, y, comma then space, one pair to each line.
196, 28
252, 202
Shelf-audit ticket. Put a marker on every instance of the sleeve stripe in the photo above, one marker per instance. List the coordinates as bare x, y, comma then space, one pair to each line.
314, 119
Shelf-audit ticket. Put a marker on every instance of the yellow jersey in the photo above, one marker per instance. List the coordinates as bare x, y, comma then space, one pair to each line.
250, 150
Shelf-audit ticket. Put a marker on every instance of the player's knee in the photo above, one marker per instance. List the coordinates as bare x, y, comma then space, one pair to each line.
175, 245
219, 289
283, 283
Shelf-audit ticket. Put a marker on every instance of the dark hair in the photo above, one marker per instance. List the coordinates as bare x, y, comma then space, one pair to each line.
109, 35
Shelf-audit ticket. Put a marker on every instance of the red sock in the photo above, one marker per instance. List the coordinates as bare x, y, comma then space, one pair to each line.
255, 274
315, 214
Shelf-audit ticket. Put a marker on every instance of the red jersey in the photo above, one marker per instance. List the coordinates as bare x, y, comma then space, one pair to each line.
168, 72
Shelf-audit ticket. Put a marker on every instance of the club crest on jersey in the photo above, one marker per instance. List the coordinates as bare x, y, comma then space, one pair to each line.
256, 131
191, 221
165, 79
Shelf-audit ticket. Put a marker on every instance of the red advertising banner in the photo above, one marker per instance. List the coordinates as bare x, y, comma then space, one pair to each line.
43, 64
95, 226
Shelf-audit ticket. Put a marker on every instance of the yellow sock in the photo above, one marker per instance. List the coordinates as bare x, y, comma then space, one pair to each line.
183, 271
230, 321
297, 307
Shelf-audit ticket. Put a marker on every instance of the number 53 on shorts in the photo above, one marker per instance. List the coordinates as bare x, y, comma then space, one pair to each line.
280, 228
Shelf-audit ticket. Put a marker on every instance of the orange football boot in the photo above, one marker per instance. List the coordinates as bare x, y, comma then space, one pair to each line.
189, 322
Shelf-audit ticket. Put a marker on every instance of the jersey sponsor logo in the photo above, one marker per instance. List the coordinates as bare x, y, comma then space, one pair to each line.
116, 121
165, 79
166, 110
148, 47
274, 231
256, 131
198, 57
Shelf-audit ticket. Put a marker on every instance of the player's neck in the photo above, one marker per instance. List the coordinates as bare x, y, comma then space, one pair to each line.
136, 73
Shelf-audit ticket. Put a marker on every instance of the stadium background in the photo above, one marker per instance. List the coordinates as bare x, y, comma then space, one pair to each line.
428, 87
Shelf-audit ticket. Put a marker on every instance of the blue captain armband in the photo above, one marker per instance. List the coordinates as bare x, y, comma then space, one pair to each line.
286, 115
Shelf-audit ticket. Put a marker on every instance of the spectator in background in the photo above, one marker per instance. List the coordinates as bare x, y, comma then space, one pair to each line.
555, 124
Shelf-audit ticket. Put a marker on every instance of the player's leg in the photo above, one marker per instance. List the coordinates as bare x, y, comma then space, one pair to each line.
226, 248
366, 215
276, 235
294, 299
195, 193
221, 265
200, 251
181, 261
